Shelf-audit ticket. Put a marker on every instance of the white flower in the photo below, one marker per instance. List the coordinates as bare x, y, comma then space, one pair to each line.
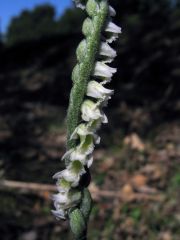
63, 201
112, 11
60, 199
73, 154
72, 173
89, 162
81, 130
66, 174
107, 80
83, 156
86, 145
94, 125
90, 112
59, 214
114, 31
106, 50
79, 4
96, 90
111, 27
97, 138
63, 186
102, 70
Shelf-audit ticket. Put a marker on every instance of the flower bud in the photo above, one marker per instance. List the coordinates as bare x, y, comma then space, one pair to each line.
87, 27
81, 50
92, 7
75, 73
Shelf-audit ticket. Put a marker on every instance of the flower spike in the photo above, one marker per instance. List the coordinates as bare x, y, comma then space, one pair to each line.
88, 97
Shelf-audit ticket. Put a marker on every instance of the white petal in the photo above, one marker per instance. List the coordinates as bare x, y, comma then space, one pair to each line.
61, 189
66, 174
105, 119
77, 155
81, 130
76, 182
112, 38
111, 27
81, 154
67, 154
107, 80
112, 12
107, 60
87, 150
89, 162
81, 171
97, 139
79, 4
96, 90
102, 70
94, 125
59, 214
60, 198
106, 50
90, 111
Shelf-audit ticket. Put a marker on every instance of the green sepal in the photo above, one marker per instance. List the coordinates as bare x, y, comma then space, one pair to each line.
75, 73
81, 50
77, 223
86, 204
92, 7
87, 27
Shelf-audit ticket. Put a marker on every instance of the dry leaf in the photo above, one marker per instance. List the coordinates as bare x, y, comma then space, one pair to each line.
139, 180
134, 142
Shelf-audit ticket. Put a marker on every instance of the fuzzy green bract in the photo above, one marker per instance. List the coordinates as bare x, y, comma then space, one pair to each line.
85, 113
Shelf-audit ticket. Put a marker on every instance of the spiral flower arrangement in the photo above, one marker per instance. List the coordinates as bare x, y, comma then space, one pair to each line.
85, 114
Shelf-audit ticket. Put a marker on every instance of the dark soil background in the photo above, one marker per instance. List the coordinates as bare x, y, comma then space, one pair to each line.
136, 172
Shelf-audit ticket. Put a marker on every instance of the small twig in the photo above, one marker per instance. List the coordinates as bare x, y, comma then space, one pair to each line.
27, 187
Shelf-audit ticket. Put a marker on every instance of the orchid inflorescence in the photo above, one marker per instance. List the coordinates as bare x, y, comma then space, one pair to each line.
88, 97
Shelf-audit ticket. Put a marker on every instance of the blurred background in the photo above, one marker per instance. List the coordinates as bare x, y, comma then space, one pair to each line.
136, 172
